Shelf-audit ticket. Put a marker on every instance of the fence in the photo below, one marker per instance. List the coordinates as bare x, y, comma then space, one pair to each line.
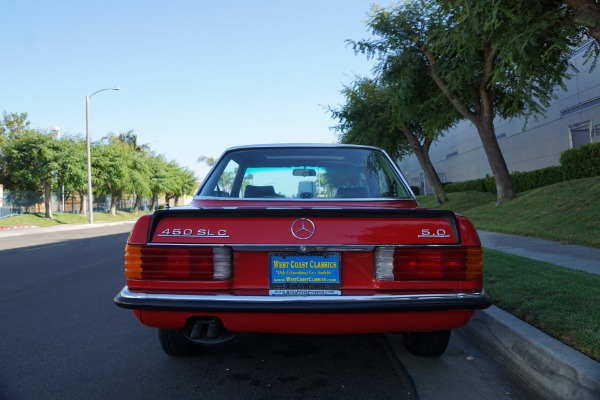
16, 202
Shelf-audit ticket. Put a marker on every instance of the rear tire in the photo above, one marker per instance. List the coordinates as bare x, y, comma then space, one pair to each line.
175, 344
427, 344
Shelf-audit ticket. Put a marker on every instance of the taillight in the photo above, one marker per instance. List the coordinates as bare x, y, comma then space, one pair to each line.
425, 263
174, 263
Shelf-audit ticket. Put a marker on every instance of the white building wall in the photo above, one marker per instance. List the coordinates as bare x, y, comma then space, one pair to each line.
571, 120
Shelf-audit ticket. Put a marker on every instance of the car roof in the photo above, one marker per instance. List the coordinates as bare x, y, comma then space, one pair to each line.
304, 145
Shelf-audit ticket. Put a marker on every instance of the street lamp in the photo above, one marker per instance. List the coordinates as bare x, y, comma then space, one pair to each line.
89, 158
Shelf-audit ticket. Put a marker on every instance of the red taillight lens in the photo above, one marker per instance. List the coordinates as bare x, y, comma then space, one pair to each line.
174, 263
442, 263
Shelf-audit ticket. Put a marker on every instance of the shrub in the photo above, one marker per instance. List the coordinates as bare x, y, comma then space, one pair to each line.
582, 162
490, 184
524, 181
476, 185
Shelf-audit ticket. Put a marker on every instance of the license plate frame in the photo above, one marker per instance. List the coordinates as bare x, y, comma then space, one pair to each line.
305, 274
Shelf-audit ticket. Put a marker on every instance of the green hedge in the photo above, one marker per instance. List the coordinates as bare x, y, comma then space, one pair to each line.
524, 181
475, 185
582, 162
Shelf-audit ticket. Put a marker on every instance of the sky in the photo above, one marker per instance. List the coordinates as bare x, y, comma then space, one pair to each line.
196, 77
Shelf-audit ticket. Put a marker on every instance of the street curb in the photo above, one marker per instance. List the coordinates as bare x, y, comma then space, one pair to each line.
549, 367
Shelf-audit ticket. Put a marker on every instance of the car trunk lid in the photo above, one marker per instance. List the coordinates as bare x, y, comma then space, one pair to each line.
304, 227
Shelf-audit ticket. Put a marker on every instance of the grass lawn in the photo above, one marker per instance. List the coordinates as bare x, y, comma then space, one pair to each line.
559, 301
567, 212
562, 302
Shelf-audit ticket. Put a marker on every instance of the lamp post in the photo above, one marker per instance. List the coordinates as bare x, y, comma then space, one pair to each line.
89, 158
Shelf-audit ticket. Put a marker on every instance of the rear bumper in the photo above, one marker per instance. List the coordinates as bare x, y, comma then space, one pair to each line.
302, 304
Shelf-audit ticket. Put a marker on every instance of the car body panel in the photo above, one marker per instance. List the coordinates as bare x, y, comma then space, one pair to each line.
390, 266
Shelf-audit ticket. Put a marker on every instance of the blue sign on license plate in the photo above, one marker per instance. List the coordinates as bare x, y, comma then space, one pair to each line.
305, 274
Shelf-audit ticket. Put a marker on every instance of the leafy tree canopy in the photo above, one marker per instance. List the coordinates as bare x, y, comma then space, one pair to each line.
487, 58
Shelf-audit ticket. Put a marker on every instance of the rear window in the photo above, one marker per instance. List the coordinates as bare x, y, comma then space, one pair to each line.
305, 173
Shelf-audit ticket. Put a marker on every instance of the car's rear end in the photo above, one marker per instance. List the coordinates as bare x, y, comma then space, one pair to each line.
209, 272
303, 239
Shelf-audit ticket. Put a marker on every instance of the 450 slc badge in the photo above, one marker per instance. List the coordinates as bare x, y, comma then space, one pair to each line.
209, 233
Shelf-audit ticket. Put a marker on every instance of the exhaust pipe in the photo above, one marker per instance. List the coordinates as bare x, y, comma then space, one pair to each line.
208, 330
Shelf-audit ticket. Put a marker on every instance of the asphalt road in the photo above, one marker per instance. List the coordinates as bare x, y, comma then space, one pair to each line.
61, 337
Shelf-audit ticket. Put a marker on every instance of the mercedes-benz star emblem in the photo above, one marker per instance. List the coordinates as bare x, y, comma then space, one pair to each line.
303, 228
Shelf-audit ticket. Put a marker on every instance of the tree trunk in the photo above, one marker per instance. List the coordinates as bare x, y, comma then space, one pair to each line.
113, 208
487, 134
153, 204
113, 203
422, 153
82, 203
483, 119
136, 206
48, 199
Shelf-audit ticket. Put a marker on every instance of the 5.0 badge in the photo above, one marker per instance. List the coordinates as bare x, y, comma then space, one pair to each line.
438, 233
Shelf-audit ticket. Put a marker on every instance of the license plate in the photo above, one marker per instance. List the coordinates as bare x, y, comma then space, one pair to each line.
312, 274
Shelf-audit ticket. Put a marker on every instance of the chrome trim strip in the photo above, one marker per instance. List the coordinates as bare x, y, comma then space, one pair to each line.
275, 247
126, 293
130, 299
302, 248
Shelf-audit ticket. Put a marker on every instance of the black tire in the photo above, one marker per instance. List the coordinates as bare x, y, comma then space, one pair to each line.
175, 344
427, 344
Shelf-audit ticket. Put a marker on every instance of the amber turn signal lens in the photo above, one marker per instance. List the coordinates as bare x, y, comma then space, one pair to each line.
176, 263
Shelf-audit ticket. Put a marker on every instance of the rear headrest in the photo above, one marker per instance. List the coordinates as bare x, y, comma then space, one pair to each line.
259, 191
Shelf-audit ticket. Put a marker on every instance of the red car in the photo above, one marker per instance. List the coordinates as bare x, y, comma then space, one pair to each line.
303, 239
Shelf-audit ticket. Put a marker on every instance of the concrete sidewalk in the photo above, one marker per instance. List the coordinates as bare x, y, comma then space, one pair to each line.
567, 255
553, 369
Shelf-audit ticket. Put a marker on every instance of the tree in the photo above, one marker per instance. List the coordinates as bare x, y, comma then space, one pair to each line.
33, 159
140, 165
409, 109
181, 182
488, 59
130, 139
366, 118
168, 178
226, 180
404, 112
159, 178
112, 169
140, 178
585, 13
210, 161
73, 168
12, 126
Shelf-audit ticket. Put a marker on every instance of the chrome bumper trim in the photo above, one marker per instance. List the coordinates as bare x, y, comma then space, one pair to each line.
222, 302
